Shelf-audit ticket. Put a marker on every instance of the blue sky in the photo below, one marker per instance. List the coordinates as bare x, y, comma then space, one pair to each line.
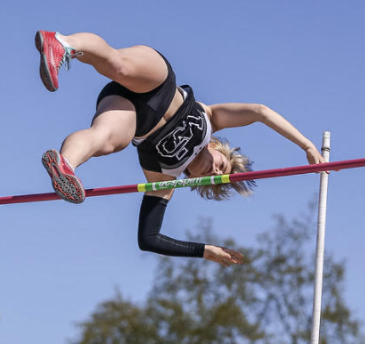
303, 59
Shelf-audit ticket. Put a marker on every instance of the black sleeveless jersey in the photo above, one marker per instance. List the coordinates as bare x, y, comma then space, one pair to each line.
171, 148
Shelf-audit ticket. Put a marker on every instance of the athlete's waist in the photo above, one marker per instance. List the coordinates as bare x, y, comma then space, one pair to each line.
182, 94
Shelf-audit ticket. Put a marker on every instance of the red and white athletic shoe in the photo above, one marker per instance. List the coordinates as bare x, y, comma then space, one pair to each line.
64, 181
54, 53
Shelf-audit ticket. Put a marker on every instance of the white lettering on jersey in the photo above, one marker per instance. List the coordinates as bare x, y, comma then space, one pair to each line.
174, 143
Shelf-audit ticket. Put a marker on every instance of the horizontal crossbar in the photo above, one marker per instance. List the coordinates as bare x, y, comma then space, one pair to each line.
189, 182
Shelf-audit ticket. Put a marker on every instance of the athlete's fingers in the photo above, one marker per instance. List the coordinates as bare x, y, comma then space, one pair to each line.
235, 256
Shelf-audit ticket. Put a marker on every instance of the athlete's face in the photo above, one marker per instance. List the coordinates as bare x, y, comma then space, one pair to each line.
209, 162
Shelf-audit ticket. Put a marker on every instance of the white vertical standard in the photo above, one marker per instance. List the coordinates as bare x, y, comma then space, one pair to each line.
321, 230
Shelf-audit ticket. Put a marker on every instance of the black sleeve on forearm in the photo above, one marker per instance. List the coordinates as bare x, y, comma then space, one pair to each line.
149, 237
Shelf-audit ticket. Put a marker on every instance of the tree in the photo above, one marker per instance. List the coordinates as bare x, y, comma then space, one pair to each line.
118, 321
266, 300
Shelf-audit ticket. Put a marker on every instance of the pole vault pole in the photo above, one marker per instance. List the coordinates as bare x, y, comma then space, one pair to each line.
179, 183
321, 230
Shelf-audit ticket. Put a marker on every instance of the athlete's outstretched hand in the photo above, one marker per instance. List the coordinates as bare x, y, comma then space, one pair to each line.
313, 155
222, 255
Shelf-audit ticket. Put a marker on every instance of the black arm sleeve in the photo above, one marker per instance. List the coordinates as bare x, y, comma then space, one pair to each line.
149, 237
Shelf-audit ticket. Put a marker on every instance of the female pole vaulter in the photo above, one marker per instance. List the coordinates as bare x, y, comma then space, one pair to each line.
172, 132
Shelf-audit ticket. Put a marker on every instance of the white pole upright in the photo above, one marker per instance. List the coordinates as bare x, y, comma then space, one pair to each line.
321, 229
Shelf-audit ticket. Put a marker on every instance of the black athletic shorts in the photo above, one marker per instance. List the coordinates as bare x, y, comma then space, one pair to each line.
150, 106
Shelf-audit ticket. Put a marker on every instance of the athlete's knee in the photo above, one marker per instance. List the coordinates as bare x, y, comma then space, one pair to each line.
105, 149
104, 141
121, 66
109, 147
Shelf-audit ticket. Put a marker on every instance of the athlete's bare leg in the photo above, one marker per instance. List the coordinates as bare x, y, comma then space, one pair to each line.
140, 68
112, 130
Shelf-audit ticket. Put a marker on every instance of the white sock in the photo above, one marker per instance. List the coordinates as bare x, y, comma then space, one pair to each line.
62, 41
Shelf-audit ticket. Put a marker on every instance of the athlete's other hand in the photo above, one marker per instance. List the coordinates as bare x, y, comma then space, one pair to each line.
313, 155
222, 255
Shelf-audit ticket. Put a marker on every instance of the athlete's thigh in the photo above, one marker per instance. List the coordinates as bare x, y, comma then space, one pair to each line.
116, 118
145, 68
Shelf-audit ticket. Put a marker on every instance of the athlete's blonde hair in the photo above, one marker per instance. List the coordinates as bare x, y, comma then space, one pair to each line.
239, 163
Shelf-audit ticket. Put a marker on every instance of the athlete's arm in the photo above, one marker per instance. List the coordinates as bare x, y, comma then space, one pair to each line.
232, 115
150, 222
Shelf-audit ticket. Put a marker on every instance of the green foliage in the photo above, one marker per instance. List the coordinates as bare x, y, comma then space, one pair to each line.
119, 322
266, 300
